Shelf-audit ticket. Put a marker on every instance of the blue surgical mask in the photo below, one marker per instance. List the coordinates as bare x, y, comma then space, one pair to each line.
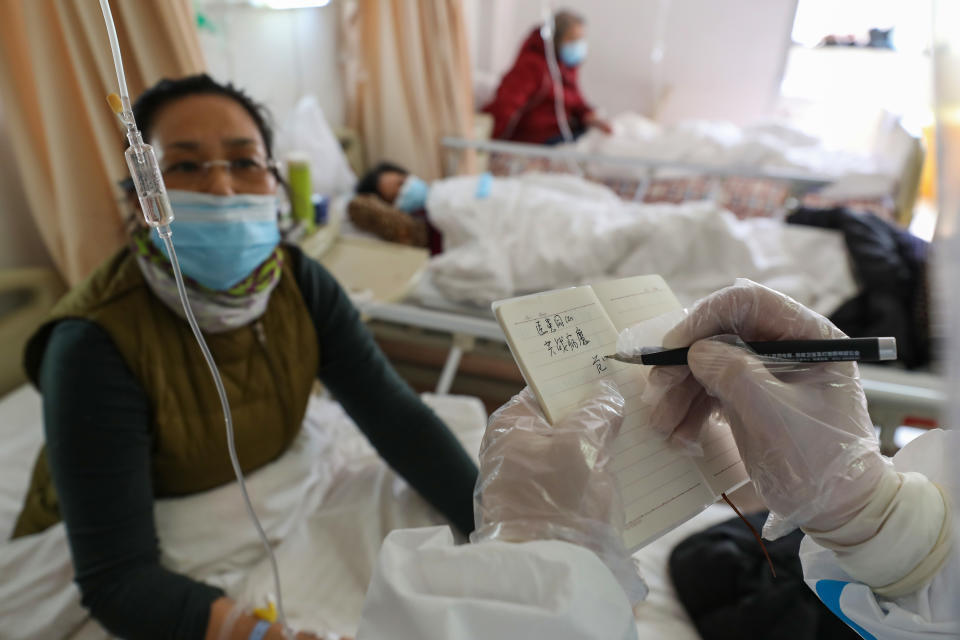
573, 53
220, 240
413, 195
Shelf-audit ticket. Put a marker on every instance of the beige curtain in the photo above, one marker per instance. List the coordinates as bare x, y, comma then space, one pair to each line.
55, 73
408, 80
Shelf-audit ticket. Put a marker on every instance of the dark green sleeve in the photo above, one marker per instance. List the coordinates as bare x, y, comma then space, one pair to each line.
97, 425
404, 431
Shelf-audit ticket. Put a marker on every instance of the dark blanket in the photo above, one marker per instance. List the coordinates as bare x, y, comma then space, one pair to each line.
725, 584
890, 267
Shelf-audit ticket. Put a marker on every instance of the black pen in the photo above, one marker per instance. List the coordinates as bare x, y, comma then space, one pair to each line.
836, 350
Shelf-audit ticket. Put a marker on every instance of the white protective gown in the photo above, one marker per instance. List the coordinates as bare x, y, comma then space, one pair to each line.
933, 611
426, 588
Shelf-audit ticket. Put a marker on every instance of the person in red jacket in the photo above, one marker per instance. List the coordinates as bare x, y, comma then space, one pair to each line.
524, 108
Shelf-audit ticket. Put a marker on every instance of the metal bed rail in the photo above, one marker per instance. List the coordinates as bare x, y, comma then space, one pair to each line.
579, 158
895, 397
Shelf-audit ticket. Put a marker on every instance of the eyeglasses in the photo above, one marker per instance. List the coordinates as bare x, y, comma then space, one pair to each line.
244, 172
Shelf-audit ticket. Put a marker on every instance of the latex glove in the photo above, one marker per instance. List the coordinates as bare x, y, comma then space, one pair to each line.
552, 482
803, 430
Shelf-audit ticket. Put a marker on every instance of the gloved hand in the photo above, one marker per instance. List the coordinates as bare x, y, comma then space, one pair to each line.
803, 430
551, 482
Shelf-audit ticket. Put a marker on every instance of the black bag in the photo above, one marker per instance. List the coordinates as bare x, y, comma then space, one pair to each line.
725, 584
890, 266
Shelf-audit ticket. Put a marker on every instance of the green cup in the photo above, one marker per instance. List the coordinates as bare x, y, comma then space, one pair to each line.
298, 177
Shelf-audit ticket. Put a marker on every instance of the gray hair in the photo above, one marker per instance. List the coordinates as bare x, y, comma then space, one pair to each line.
563, 21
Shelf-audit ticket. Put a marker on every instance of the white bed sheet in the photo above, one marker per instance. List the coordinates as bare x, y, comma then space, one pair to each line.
21, 434
326, 504
772, 146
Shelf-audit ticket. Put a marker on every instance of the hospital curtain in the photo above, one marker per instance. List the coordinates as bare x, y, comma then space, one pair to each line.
55, 72
408, 79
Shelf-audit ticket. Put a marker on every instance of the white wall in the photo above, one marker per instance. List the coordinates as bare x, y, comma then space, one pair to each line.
721, 59
278, 56
20, 244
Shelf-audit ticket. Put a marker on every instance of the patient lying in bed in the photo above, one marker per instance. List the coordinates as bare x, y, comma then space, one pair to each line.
391, 204
508, 236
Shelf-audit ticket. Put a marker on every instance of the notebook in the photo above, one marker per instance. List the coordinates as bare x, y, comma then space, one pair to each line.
559, 339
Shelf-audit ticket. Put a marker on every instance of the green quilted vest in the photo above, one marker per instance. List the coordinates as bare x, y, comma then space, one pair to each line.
268, 369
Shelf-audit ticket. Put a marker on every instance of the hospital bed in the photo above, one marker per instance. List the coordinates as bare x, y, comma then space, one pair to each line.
325, 565
418, 313
326, 560
524, 156
748, 190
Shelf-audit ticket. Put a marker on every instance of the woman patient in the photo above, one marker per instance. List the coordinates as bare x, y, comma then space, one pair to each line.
524, 108
391, 203
130, 410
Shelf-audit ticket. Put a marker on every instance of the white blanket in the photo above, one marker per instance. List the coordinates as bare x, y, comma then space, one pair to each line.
724, 144
326, 504
543, 231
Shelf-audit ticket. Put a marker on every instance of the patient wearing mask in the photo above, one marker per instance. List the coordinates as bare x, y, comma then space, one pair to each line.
391, 203
524, 108
130, 410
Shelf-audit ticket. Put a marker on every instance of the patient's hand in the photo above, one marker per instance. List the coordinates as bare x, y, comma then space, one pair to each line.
225, 624
592, 120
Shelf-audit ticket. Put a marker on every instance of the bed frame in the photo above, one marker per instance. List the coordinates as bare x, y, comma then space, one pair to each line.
895, 397
34, 292
644, 171
578, 162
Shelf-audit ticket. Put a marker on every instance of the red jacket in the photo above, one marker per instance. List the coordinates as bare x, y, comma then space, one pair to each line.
523, 109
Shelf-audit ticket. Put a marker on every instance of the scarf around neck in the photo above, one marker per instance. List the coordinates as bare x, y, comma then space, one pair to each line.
215, 311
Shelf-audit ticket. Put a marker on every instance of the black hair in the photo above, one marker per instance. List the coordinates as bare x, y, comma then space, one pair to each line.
563, 21
370, 181
166, 91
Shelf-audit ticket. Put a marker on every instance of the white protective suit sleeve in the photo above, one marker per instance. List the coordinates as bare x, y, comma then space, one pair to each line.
425, 588
932, 610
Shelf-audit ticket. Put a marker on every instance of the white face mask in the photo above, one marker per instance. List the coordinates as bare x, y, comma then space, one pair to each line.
413, 194
573, 53
220, 240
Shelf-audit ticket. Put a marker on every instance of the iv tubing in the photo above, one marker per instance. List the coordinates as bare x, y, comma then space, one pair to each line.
558, 92
228, 418
549, 46
127, 114
166, 233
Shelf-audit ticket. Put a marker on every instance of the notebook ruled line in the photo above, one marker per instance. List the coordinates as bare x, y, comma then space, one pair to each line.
640, 517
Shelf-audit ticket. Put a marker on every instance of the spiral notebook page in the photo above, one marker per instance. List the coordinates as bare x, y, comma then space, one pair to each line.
559, 339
